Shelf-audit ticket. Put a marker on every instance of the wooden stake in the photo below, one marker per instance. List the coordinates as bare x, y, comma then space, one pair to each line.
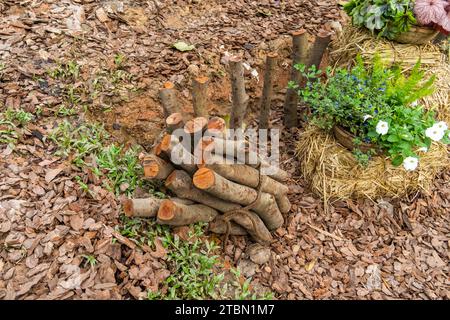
266, 206
147, 207
271, 61
320, 45
200, 96
239, 96
156, 168
299, 55
169, 100
174, 121
177, 214
180, 183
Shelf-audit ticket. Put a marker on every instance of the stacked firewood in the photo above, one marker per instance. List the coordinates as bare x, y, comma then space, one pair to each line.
233, 197
208, 182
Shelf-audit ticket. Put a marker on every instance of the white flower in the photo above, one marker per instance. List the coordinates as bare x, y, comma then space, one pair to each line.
441, 125
414, 103
410, 163
434, 133
382, 127
367, 117
423, 149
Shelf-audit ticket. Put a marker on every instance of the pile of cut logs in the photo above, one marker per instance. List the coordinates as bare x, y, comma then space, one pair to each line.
234, 197
209, 183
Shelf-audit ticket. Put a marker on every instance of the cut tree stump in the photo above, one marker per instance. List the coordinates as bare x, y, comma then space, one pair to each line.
169, 99
299, 55
239, 96
200, 96
145, 208
317, 51
180, 183
266, 99
265, 206
156, 168
177, 214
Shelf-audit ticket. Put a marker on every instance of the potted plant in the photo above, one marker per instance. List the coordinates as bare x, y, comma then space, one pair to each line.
374, 110
405, 21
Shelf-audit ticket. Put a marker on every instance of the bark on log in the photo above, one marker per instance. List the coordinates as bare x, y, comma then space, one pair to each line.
200, 96
266, 206
174, 121
169, 100
317, 51
239, 96
299, 55
180, 183
146, 208
156, 168
266, 99
219, 226
178, 154
177, 214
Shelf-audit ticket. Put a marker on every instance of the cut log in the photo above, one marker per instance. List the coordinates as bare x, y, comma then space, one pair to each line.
178, 154
239, 96
180, 183
200, 96
174, 122
177, 214
251, 222
265, 206
156, 168
194, 129
299, 56
317, 51
196, 125
266, 100
246, 175
283, 203
145, 208
216, 127
213, 145
169, 100
219, 226
254, 160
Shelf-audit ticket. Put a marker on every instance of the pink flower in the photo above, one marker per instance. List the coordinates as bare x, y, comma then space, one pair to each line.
428, 11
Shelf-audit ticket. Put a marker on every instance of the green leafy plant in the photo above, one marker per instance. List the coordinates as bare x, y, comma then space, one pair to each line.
86, 145
377, 105
18, 117
385, 17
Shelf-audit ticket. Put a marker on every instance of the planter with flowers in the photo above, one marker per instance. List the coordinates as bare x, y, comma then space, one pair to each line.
405, 21
377, 107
